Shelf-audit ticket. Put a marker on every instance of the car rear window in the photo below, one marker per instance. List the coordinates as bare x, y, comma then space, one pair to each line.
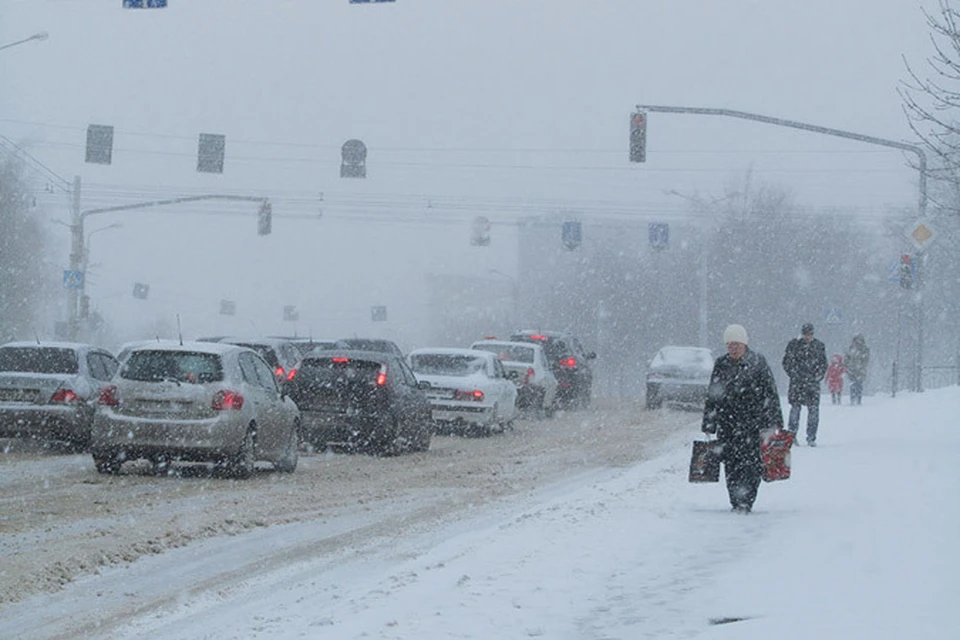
265, 351
510, 352
553, 348
445, 364
681, 356
181, 366
365, 344
336, 369
39, 360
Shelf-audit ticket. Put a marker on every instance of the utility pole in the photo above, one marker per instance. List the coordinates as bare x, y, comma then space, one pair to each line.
76, 256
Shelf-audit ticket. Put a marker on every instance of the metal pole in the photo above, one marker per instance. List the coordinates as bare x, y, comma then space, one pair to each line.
76, 256
918, 284
704, 258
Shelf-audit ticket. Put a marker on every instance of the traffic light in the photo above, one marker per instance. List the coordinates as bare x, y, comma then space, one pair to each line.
265, 219
638, 137
906, 271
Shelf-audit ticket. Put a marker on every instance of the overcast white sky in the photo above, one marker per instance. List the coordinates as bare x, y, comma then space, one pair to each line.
501, 108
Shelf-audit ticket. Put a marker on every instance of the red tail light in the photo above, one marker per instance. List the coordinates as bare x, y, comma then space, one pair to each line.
291, 374
568, 362
382, 376
225, 400
537, 336
340, 360
473, 395
529, 377
279, 372
109, 397
64, 396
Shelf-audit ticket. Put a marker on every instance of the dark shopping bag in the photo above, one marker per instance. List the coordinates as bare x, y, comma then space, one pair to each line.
705, 461
775, 450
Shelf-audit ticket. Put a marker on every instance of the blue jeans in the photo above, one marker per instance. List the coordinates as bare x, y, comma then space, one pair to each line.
856, 390
813, 420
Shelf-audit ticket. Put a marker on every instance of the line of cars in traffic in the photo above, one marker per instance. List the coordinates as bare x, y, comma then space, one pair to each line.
234, 401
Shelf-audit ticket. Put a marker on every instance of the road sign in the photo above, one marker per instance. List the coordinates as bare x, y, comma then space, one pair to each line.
572, 234
228, 308
144, 4
290, 313
921, 234
659, 235
140, 290
833, 317
72, 279
378, 314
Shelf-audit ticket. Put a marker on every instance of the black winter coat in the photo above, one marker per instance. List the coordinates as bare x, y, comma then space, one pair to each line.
742, 400
806, 364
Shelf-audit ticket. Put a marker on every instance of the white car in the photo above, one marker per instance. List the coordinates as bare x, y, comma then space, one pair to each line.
679, 374
469, 391
526, 363
195, 402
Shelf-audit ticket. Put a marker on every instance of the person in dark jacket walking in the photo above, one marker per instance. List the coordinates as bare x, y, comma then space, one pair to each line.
742, 401
855, 360
805, 362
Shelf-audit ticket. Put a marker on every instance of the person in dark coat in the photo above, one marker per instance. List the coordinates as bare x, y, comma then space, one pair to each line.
805, 362
855, 361
742, 401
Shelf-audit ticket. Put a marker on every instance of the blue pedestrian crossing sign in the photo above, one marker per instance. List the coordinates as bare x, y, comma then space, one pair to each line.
833, 317
72, 279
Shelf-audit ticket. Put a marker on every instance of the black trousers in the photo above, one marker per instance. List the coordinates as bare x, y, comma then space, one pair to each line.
742, 469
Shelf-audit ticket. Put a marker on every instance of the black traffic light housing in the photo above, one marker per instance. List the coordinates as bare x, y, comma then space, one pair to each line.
906, 271
638, 137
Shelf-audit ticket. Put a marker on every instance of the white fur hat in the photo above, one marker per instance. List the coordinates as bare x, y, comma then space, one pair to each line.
735, 333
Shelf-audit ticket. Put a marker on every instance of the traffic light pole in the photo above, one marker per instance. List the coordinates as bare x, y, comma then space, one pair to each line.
77, 238
839, 133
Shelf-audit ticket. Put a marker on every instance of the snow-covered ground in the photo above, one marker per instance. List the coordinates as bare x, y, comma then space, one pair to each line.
860, 543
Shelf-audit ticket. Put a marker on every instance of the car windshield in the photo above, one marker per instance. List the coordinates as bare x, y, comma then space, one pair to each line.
683, 357
445, 364
179, 366
38, 360
509, 352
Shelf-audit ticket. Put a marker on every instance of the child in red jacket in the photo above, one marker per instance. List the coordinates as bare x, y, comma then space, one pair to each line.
835, 378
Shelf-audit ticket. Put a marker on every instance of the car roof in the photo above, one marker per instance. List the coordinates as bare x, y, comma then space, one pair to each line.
55, 345
451, 351
510, 343
549, 334
354, 354
218, 348
269, 342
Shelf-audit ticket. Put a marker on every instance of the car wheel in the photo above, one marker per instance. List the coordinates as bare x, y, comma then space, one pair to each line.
243, 462
654, 401
425, 434
291, 455
106, 463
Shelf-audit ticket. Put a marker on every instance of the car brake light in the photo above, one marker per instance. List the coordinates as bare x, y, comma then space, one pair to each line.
537, 336
340, 360
382, 376
291, 374
108, 396
473, 395
64, 396
279, 372
568, 362
225, 400
529, 377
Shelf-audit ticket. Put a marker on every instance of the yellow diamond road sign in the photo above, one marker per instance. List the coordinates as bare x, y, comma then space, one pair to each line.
921, 234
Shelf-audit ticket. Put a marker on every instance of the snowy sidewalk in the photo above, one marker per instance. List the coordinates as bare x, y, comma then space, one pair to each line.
860, 543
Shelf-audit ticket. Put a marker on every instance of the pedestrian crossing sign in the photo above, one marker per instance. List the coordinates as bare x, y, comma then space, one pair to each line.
833, 317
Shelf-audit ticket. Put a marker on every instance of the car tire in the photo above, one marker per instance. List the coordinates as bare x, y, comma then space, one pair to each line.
242, 464
291, 455
107, 463
654, 401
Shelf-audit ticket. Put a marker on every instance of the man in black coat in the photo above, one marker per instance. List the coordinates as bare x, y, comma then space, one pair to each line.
805, 362
742, 401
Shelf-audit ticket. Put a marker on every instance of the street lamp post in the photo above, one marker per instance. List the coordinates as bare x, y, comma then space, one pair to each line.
42, 35
86, 257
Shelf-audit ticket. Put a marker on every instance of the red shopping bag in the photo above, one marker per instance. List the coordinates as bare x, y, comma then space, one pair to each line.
775, 447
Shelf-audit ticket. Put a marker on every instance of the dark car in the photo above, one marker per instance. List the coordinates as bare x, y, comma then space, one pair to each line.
568, 361
282, 355
370, 344
49, 391
361, 401
306, 345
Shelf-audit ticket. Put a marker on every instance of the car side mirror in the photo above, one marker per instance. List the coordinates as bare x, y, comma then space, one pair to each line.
423, 384
513, 375
592, 355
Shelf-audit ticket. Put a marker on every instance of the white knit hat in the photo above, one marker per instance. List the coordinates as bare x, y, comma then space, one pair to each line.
735, 333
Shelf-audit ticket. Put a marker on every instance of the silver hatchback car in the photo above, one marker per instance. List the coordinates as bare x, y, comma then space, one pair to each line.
195, 402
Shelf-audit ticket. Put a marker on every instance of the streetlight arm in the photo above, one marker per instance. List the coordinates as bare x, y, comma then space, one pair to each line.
905, 146
37, 36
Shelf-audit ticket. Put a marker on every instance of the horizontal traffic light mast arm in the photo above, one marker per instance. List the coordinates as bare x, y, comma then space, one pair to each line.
730, 113
160, 203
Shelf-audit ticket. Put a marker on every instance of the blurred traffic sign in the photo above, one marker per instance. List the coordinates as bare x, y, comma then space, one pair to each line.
140, 290
72, 279
921, 234
659, 235
572, 234
378, 313
833, 317
144, 4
